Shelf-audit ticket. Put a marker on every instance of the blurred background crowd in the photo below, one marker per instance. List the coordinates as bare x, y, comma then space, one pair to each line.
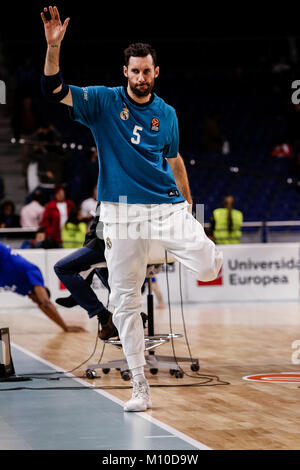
239, 129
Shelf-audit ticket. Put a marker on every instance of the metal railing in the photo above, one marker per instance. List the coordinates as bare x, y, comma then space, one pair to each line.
15, 234
264, 226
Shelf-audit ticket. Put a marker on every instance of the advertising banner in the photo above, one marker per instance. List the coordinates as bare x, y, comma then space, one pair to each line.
252, 272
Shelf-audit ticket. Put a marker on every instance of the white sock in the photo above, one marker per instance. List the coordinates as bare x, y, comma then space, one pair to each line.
138, 374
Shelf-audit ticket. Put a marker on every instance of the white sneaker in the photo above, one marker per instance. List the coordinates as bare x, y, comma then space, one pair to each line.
140, 400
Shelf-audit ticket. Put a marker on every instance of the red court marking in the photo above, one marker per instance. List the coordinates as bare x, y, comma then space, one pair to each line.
279, 377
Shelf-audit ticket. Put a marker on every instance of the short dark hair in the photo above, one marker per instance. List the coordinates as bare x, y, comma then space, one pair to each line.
139, 49
8, 203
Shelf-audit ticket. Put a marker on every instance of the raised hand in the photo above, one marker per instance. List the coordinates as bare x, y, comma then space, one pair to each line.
54, 29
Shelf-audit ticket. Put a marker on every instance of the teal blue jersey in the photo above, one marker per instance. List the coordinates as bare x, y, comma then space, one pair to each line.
133, 143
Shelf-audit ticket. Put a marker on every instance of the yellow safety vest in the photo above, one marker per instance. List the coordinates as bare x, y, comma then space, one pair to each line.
73, 235
221, 233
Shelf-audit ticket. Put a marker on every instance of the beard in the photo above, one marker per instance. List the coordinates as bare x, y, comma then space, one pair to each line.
141, 91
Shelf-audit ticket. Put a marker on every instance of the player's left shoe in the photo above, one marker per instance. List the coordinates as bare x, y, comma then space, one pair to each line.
140, 400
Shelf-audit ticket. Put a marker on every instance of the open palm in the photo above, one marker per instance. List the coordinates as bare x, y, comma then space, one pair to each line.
54, 29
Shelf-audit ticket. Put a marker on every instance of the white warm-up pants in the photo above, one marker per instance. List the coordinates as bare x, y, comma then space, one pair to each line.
127, 256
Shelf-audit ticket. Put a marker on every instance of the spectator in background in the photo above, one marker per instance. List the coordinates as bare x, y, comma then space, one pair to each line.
31, 214
56, 214
74, 231
44, 160
8, 217
36, 242
40, 241
226, 223
88, 208
282, 151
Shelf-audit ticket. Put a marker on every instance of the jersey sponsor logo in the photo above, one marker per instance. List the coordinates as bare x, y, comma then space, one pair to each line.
155, 124
173, 192
108, 243
124, 114
279, 377
216, 282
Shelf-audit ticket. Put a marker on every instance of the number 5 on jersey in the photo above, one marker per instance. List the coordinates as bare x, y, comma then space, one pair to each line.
136, 140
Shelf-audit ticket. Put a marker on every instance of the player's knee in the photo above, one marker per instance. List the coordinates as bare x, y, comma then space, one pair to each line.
59, 267
211, 270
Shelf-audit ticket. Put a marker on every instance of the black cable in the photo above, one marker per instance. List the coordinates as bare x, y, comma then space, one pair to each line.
208, 376
39, 375
185, 332
114, 387
102, 352
182, 315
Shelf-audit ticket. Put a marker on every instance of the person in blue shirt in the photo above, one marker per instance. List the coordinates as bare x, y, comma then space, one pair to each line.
142, 185
24, 278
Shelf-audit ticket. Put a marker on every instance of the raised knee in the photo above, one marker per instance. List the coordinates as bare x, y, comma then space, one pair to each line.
211, 272
58, 267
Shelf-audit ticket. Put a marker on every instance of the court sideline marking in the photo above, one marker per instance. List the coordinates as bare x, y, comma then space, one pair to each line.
166, 427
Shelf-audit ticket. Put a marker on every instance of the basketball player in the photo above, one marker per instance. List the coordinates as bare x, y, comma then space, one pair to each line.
136, 134
22, 277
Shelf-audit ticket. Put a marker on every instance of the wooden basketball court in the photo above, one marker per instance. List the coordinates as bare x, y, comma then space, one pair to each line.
231, 341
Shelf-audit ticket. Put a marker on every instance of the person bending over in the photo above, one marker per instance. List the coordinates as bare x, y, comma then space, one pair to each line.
22, 277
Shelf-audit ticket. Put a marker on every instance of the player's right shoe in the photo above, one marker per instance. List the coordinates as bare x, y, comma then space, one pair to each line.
67, 302
140, 400
108, 330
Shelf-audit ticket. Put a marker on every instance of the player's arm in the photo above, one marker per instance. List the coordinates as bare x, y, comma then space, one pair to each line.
41, 298
181, 177
52, 82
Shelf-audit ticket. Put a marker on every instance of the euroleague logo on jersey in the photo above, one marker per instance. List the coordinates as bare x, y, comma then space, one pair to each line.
279, 377
155, 124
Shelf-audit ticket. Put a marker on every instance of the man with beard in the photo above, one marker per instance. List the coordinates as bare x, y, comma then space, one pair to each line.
143, 186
